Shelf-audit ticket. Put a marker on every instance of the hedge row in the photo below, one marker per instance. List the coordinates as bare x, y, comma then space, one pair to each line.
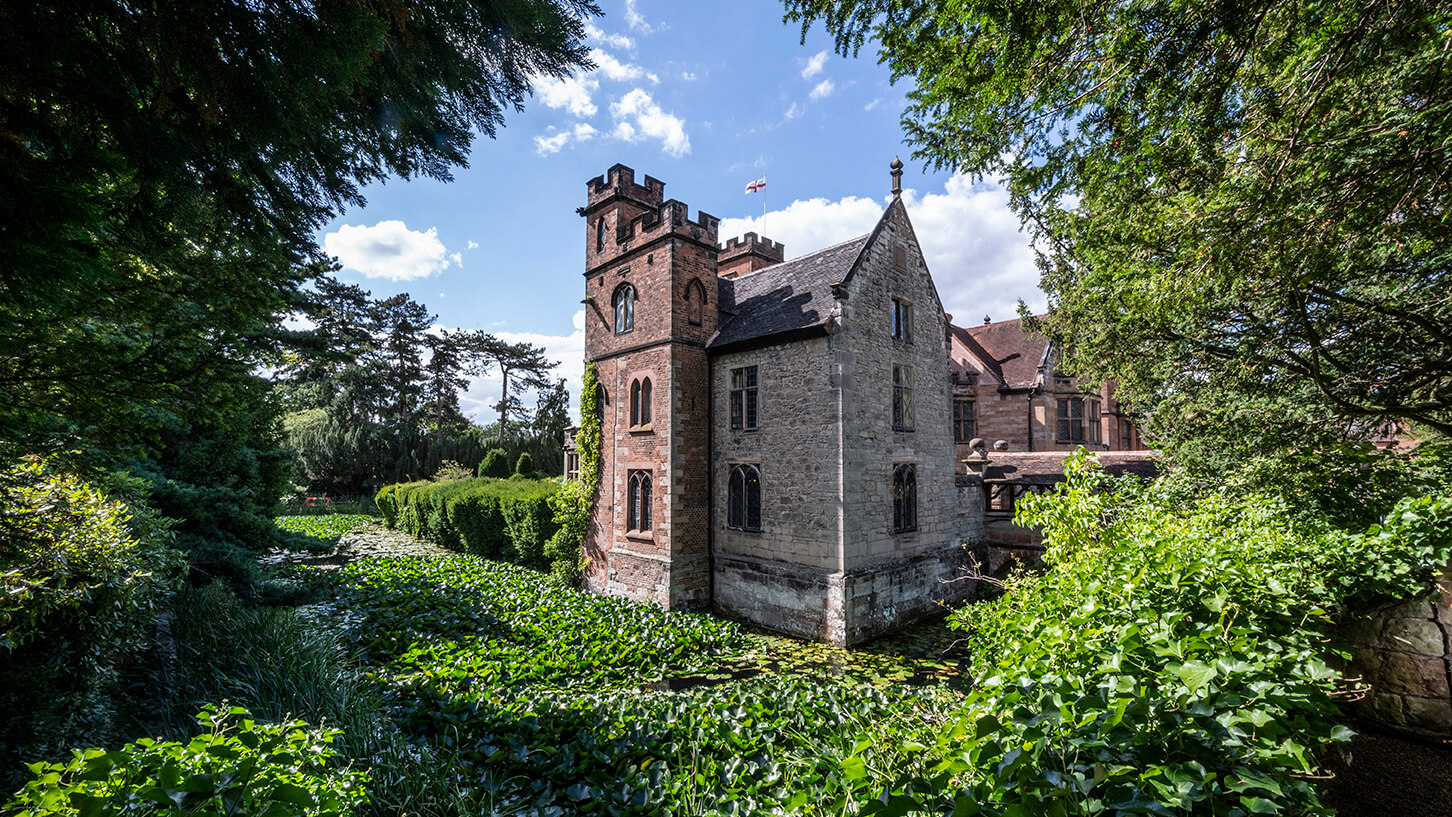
505, 519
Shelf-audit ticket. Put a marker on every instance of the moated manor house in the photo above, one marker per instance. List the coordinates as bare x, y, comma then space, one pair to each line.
783, 440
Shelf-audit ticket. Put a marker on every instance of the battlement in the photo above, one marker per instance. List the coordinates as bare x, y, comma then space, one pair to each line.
748, 254
752, 243
669, 217
619, 180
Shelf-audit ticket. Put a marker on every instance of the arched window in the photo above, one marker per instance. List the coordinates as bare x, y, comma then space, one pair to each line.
640, 402
602, 399
624, 309
695, 300
638, 501
743, 498
600, 234
904, 498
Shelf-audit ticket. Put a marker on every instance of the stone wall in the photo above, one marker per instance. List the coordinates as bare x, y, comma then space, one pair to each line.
864, 353
797, 446
1403, 655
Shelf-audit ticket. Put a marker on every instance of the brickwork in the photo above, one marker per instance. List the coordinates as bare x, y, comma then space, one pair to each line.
748, 253
668, 260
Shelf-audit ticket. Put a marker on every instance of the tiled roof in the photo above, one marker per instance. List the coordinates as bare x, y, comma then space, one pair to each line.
1010, 354
788, 297
1044, 468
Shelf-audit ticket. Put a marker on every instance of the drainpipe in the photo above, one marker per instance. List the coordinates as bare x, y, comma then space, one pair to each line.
1029, 417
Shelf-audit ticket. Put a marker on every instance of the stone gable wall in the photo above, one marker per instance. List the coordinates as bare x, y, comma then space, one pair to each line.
1402, 655
864, 354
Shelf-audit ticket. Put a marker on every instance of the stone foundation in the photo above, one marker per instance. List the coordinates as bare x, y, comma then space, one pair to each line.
1403, 655
848, 608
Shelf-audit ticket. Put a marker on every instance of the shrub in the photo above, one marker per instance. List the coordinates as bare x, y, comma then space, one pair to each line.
497, 519
83, 575
525, 465
1172, 660
495, 464
236, 766
449, 470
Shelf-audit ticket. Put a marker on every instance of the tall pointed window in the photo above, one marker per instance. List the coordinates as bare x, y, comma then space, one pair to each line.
624, 309
637, 504
600, 234
904, 498
743, 498
640, 402
902, 398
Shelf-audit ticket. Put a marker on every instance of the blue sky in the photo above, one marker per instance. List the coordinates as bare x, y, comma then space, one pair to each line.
705, 97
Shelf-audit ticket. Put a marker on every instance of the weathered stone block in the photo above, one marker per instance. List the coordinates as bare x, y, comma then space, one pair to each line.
1410, 675
1421, 636
1388, 709
1429, 714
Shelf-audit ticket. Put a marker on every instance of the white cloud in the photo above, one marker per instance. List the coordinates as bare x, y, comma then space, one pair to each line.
687, 76
981, 262
568, 351
636, 21
612, 68
552, 141
457, 258
472, 245
639, 118
570, 93
823, 90
794, 111
815, 64
389, 249
873, 104
613, 40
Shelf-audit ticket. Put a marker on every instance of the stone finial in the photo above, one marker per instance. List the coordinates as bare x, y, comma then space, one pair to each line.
896, 177
987, 319
977, 460
1000, 445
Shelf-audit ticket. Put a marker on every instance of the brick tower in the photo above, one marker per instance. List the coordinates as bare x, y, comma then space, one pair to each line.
650, 307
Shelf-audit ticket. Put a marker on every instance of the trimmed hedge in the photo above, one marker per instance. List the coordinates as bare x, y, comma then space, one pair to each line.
505, 519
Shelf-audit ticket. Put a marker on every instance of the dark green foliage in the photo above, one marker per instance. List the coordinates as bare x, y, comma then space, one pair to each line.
83, 576
166, 167
1174, 657
525, 465
509, 520
1241, 209
220, 475
495, 464
327, 530
236, 766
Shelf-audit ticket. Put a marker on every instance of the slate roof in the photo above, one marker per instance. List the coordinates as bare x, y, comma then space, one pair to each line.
1047, 468
1009, 353
791, 297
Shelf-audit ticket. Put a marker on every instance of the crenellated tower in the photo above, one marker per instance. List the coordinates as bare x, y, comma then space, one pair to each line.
650, 308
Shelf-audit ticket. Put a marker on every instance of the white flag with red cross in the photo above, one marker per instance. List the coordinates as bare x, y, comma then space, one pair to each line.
756, 186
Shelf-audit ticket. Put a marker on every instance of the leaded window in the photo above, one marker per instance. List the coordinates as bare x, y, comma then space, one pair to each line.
902, 398
904, 498
964, 422
743, 498
637, 505
902, 320
1078, 420
624, 309
743, 399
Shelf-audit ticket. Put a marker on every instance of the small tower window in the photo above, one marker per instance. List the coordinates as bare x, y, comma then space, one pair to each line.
600, 234
640, 402
637, 504
695, 300
624, 309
